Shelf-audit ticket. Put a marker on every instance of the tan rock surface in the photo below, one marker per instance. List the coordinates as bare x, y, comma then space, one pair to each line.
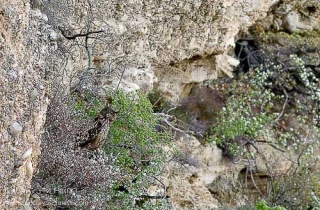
146, 34
23, 102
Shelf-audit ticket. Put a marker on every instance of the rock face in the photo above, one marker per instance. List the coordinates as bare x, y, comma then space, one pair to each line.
203, 178
189, 173
182, 43
199, 109
24, 48
28, 60
294, 16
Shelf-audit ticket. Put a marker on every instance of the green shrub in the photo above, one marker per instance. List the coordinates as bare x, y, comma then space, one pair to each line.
89, 107
246, 113
263, 205
117, 177
136, 145
279, 103
265, 97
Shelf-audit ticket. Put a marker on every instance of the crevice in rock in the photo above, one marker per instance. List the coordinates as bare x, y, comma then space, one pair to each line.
311, 9
246, 51
253, 184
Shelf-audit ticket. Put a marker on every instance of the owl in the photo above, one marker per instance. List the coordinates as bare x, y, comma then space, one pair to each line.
93, 138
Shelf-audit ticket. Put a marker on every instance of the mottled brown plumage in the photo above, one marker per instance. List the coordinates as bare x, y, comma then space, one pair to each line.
93, 138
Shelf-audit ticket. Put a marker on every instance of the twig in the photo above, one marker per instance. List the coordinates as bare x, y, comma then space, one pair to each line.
121, 77
171, 126
153, 197
251, 176
79, 35
284, 105
173, 108
164, 186
272, 145
154, 104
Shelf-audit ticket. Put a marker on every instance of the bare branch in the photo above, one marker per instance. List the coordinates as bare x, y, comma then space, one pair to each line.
284, 105
63, 32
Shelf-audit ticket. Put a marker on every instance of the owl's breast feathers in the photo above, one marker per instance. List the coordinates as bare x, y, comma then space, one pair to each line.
93, 138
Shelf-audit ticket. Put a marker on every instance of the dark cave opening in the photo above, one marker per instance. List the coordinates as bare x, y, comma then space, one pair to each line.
246, 51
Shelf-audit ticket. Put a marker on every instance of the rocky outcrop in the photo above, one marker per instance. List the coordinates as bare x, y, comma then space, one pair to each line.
24, 51
293, 16
182, 43
30, 62
201, 177
168, 38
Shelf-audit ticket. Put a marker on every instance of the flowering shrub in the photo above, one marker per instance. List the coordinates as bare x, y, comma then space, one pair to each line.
135, 143
280, 98
246, 113
116, 177
266, 98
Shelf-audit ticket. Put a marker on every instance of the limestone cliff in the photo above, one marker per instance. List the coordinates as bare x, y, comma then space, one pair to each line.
25, 48
169, 45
